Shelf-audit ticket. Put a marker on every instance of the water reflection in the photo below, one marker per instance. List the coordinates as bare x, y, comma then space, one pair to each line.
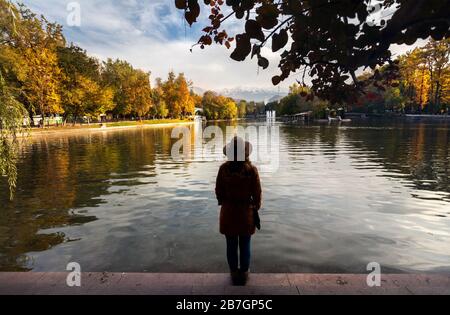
344, 196
420, 152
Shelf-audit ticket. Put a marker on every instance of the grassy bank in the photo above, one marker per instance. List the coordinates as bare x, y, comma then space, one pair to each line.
146, 122
106, 126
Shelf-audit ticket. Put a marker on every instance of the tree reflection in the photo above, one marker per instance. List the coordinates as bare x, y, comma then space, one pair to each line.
60, 174
420, 151
63, 179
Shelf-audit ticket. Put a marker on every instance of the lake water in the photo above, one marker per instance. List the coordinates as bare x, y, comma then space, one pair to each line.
343, 196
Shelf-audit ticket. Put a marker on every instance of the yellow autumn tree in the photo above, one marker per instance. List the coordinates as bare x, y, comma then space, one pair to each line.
28, 48
184, 97
177, 96
42, 80
421, 83
445, 90
140, 93
436, 55
424, 76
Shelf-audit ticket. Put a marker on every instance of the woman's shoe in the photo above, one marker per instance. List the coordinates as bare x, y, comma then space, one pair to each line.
235, 277
243, 278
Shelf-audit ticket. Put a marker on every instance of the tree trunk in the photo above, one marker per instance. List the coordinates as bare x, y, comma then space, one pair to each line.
437, 96
42, 124
430, 96
421, 91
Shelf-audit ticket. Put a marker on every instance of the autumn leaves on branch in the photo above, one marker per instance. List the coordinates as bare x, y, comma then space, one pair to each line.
330, 40
48, 77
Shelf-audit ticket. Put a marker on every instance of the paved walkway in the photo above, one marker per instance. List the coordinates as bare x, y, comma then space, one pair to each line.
219, 284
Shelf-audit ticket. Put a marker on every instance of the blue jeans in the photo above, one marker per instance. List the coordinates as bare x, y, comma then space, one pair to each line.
243, 242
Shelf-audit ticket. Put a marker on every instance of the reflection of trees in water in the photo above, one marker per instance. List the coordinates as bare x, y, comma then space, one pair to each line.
61, 174
419, 151
303, 137
58, 175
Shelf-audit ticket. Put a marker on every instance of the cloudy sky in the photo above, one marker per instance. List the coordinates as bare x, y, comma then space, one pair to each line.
152, 35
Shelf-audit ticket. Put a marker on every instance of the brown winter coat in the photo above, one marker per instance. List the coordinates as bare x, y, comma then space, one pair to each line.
238, 192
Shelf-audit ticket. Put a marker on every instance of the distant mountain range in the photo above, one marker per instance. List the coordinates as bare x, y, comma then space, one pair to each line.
276, 98
249, 94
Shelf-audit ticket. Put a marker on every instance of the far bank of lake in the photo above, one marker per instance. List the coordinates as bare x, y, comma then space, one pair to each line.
100, 127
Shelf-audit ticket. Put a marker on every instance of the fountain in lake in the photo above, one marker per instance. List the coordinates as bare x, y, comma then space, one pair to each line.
271, 116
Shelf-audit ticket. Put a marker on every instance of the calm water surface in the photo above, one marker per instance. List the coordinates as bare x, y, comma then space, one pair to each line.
344, 196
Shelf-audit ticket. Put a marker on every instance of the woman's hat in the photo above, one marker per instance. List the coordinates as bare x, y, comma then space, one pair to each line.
238, 149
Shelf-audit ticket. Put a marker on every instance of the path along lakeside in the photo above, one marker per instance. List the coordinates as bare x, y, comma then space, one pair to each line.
55, 283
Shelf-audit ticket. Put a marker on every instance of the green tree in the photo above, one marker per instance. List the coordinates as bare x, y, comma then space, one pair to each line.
74, 60
159, 110
299, 100
116, 75
210, 105
139, 93
82, 92
242, 109
171, 96
197, 99
94, 100
12, 115
395, 100
131, 88
218, 107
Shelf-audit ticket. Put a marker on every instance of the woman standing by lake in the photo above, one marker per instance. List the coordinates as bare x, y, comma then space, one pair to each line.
238, 191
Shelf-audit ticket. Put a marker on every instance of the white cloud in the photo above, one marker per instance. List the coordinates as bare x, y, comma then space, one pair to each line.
152, 35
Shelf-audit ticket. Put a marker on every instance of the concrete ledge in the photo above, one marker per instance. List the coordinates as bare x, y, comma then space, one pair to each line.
52, 283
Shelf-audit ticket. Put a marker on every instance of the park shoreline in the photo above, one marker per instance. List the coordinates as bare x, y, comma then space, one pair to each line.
129, 125
83, 129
